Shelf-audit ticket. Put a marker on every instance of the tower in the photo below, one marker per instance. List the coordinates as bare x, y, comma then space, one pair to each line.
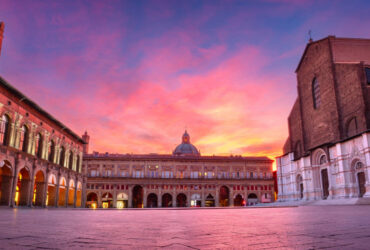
86, 138
2, 26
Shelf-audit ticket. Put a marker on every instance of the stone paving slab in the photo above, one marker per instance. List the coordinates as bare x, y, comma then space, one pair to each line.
307, 227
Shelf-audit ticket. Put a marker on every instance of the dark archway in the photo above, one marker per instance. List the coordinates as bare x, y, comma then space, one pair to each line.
252, 199
224, 196
238, 201
325, 183
92, 200
38, 189
166, 200
181, 200
5, 183
210, 201
23, 185
137, 197
361, 183
152, 200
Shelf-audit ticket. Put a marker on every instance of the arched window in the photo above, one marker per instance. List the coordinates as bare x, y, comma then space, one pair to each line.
23, 143
316, 93
4, 130
62, 156
70, 162
323, 159
38, 146
51, 151
78, 164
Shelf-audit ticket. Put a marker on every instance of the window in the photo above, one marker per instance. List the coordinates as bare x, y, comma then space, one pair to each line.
209, 175
251, 174
70, 162
367, 70
194, 175
51, 151
322, 159
78, 164
38, 146
316, 93
23, 144
93, 173
4, 129
62, 155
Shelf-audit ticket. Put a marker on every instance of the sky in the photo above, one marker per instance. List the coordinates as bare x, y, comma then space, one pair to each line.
136, 74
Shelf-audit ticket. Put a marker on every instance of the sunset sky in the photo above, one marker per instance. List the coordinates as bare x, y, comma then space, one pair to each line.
135, 74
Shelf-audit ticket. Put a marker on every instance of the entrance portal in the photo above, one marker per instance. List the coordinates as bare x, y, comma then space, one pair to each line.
92, 200
137, 197
181, 200
325, 183
167, 200
5, 183
361, 183
152, 200
107, 200
122, 200
224, 196
252, 199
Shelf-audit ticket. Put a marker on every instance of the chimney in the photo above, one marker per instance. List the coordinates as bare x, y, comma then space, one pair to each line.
2, 26
86, 138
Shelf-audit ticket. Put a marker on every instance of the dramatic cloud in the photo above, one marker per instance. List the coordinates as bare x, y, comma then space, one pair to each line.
135, 74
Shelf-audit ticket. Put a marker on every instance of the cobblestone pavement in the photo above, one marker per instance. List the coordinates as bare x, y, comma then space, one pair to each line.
309, 227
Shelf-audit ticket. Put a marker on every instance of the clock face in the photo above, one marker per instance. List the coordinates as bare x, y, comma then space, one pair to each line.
186, 139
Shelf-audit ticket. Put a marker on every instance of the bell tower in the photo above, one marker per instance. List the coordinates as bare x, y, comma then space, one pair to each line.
86, 138
2, 26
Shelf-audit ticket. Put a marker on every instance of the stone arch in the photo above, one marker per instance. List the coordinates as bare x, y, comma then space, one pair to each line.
318, 155
224, 198
5, 182
71, 192
152, 200
107, 200
167, 200
23, 185
79, 194
92, 200
51, 192
181, 200
38, 189
238, 200
62, 191
252, 199
122, 200
138, 197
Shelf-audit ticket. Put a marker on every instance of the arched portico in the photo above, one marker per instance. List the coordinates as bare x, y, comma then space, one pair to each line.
152, 200
38, 189
107, 200
210, 201
137, 197
51, 191
79, 195
71, 193
181, 200
62, 192
252, 199
166, 200
5, 182
238, 200
122, 200
22, 189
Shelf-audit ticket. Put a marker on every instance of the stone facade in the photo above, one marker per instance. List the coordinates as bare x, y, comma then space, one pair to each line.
182, 179
327, 152
40, 158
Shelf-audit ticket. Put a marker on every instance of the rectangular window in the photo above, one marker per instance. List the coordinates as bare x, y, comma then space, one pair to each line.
367, 70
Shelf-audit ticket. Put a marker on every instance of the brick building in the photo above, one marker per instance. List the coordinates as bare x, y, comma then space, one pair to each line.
326, 155
40, 158
182, 179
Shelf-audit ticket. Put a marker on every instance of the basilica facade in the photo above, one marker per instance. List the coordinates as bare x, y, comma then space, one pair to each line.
181, 179
327, 153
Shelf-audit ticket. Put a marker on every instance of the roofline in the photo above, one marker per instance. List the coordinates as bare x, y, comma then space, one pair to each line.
325, 38
31, 103
156, 157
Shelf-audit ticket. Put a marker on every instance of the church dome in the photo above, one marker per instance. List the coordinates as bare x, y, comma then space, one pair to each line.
186, 148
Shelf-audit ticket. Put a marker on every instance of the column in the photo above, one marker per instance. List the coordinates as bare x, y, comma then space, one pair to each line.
174, 198
144, 196
14, 181
217, 198
75, 194
45, 191
31, 184
130, 194
160, 197
57, 191
115, 195
203, 198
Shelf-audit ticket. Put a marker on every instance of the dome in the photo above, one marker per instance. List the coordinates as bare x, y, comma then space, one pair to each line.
186, 148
